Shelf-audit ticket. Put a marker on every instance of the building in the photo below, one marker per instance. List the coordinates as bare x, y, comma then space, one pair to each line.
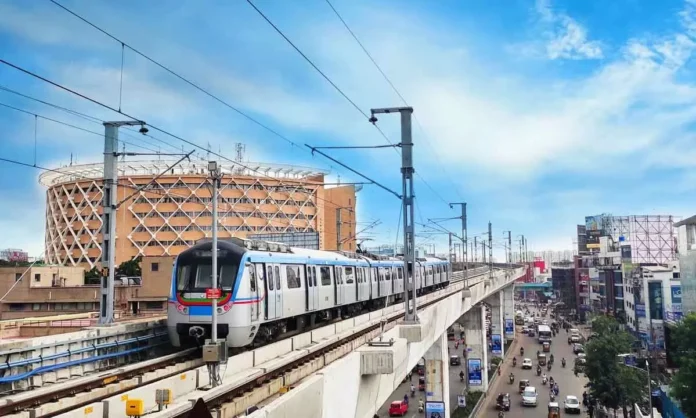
174, 210
686, 231
564, 289
54, 290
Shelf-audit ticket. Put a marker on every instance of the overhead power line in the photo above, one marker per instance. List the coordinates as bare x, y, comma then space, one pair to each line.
333, 84
393, 87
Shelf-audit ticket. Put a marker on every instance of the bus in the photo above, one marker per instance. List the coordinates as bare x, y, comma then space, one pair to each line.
519, 318
544, 333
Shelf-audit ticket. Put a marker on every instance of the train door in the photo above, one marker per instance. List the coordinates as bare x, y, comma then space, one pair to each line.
310, 288
256, 288
274, 294
338, 283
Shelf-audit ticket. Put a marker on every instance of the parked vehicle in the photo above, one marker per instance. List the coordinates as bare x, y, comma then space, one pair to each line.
455, 360
571, 405
398, 409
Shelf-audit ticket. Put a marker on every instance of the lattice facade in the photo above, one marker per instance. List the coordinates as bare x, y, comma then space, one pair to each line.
175, 211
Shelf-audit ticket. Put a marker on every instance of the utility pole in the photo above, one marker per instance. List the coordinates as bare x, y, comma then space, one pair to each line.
483, 251
465, 245
490, 249
475, 249
338, 229
213, 350
449, 254
109, 206
510, 245
407, 170
526, 253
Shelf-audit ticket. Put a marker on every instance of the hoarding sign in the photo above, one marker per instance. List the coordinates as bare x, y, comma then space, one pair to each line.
496, 344
475, 373
434, 409
676, 294
640, 310
509, 328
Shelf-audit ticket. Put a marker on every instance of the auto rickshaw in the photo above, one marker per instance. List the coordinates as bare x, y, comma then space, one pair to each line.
421, 383
541, 359
546, 346
522, 385
554, 410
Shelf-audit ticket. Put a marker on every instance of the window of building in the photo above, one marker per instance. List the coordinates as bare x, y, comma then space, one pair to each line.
17, 307
37, 277
153, 305
293, 277
154, 267
18, 276
35, 306
325, 276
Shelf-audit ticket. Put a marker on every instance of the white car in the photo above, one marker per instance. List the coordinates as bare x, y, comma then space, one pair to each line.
529, 396
527, 364
572, 405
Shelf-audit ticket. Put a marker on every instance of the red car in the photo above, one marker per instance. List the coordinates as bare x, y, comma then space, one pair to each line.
398, 408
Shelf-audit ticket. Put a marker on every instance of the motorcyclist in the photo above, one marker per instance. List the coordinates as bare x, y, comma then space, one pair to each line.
461, 376
551, 358
543, 379
413, 390
501, 414
563, 362
521, 351
514, 361
406, 399
538, 353
512, 377
421, 405
552, 395
538, 370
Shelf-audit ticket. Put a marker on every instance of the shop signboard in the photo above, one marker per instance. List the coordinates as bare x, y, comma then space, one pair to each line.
640, 310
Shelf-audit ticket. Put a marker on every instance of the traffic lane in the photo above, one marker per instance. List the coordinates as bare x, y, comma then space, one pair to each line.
568, 384
456, 386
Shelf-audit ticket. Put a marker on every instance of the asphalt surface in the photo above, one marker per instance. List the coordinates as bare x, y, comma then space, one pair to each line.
568, 384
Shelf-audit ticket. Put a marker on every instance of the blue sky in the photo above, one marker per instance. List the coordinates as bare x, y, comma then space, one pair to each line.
536, 113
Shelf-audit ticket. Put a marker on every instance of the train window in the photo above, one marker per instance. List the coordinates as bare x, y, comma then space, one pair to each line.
293, 277
277, 277
359, 273
339, 275
314, 276
204, 276
400, 273
387, 273
270, 278
228, 273
393, 273
252, 278
325, 276
349, 275
184, 277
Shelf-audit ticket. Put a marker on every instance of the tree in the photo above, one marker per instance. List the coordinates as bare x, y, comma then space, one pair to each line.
684, 382
130, 268
611, 384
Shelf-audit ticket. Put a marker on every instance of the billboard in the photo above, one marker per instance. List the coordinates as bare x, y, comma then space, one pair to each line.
496, 344
509, 328
595, 223
435, 409
673, 307
593, 238
475, 372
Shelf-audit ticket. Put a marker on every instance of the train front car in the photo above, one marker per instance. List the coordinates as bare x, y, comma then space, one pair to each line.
190, 311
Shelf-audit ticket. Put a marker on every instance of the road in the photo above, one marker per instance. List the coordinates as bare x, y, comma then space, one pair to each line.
568, 384
456, 388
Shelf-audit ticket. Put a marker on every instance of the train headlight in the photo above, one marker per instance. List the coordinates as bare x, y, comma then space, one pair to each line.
226, 307
182, 309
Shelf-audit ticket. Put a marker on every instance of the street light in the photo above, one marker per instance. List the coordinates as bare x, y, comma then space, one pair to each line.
631, 357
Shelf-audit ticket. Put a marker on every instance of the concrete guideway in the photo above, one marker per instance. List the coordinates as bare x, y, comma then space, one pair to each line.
356, 385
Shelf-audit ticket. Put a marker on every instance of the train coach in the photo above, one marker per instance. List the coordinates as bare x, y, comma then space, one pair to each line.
269, 289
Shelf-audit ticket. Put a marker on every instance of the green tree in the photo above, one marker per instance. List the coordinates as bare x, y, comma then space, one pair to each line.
129, 268
611, 384
684, 382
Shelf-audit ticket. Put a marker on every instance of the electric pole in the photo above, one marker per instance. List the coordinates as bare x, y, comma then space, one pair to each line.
510, 245
407, 170
483, 251
338, 229
490, 249
449, 254
465, 245
475, 249
109, 208
214, 345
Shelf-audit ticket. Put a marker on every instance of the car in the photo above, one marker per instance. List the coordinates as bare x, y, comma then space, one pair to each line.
571, 405
527, 364
398, 408
578, 348
531, 332
582, 356
525, 330
529, 396
455, 360
544, 322
503, 402
574, 339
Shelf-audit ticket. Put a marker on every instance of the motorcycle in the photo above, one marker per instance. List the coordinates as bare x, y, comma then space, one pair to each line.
461, 376
563, 362
421, 407
544, 380
512, 378
538, 371
548, 366
552, 396
514, 362
521, 351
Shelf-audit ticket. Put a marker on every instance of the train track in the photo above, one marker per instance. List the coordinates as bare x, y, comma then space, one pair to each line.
81, 389
221, 396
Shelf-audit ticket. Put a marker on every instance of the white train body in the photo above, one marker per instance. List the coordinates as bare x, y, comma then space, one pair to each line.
269, 289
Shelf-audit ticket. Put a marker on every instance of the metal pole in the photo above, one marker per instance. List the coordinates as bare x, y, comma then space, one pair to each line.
215, 179
464, 246
510, 245
475, 249
647, 367
483, 251
338, 229
449, 255
109, 201
490, 250
408, 209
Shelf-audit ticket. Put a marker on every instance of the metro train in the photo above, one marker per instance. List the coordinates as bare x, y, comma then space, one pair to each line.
270, 289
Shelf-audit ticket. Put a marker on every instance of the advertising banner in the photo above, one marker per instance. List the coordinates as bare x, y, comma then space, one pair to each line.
673, 310
496, 344
434, 409
593, 238
509, 328
640, 310
475, 373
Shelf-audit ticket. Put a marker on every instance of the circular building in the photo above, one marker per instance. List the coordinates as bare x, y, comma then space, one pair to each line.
165, 214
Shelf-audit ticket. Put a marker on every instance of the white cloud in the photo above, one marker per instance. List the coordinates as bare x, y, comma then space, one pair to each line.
567, 39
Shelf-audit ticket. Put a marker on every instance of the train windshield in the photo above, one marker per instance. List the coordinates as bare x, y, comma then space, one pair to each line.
198, 276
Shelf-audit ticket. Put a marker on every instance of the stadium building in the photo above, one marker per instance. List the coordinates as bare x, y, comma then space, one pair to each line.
173, 211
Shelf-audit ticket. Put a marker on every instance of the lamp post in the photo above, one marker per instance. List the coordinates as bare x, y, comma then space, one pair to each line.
625, 357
